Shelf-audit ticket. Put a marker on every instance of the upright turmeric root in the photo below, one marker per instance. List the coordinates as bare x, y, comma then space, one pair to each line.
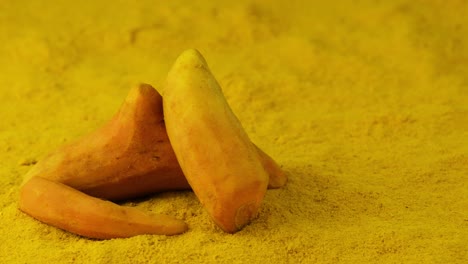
219, 161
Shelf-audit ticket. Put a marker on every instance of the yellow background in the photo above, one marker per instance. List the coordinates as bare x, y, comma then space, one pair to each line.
363, 103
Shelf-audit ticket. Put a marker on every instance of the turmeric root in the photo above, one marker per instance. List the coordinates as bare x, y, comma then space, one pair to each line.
130, 156
217, 157
69, 209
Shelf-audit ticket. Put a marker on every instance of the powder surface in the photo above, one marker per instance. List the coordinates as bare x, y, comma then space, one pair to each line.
363, 103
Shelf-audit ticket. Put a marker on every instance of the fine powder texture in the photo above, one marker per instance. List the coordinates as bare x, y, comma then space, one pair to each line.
363, 103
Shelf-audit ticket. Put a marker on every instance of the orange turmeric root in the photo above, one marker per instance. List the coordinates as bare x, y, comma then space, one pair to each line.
69, 209
224, 168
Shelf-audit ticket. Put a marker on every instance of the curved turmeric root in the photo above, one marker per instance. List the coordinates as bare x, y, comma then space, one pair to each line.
218, 159
129, 156
66, 208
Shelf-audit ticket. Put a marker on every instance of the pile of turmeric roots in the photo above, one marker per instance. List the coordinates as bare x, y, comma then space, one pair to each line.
187, 139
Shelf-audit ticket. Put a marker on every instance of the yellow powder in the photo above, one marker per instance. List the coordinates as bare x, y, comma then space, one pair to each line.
363, 103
